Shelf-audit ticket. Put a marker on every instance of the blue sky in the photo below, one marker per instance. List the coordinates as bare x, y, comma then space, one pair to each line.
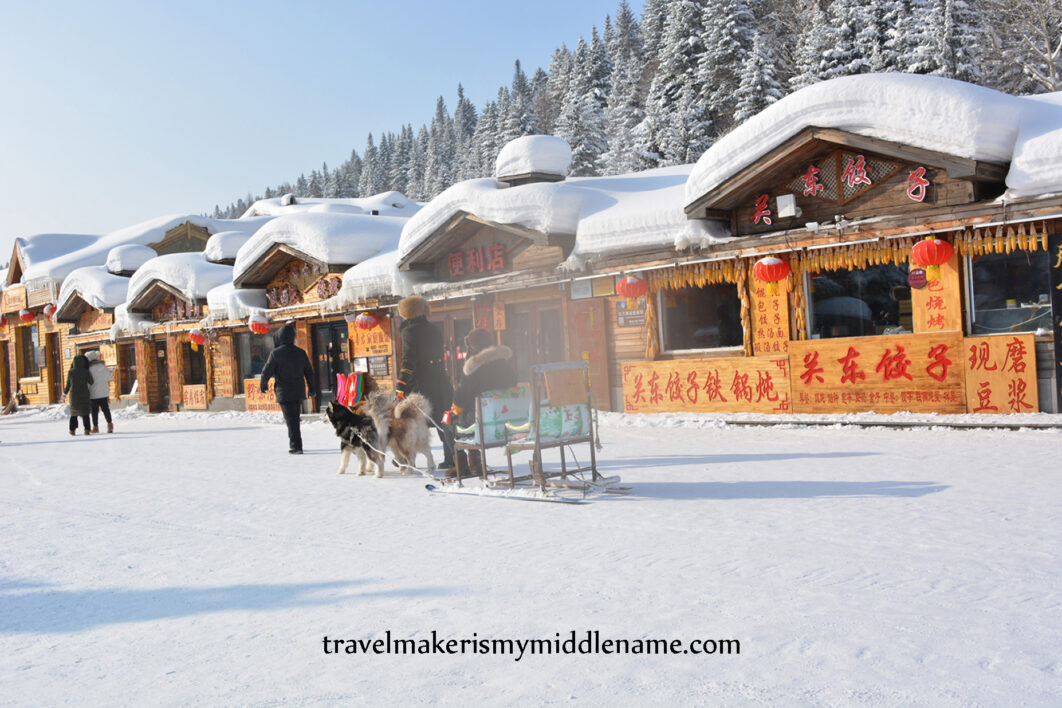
117, 112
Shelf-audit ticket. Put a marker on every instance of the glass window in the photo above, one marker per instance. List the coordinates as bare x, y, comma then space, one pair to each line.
860, 302
28, 337
1011, 292
707, 317
126, 369
194, 365
252, 351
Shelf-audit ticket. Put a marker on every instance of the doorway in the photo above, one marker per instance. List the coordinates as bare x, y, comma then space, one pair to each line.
5, 374
162, 377
331, 356
55, 367
454, 325
535, 333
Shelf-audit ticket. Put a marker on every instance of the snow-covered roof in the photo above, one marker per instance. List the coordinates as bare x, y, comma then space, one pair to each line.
224, 245
189, 273
129, 322
930, 112
227, 302
385, 204
606, 214
96, 285
127, 258
543, 154
378, 276
52, 261
329, 237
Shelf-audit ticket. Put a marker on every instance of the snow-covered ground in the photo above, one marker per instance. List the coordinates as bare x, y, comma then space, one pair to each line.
188, 560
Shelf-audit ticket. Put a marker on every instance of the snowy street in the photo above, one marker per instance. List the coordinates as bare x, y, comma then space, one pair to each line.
188, 560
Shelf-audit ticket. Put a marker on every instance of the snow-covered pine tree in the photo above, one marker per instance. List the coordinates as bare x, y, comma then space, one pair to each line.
520, 119
846, 55
439, 160
908, 46
958, 34
484, 141
351, 175
759, 86
301, 186
417, 166
1023, 45
368, 180
812, 44
541, 112
624, 110
464, 129
403, 151
582, 119
729, 27
549, 105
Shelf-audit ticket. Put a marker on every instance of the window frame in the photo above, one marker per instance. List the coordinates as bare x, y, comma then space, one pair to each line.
29, 333
662, 322
969, 295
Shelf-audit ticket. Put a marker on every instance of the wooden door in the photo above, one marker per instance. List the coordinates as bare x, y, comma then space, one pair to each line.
535, 333
55, 368
162, 377
331, 356
588, 341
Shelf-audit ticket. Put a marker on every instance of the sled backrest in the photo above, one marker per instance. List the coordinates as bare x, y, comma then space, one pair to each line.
496, 408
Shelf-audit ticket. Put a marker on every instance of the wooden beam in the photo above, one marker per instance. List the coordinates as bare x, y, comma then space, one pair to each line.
956, 167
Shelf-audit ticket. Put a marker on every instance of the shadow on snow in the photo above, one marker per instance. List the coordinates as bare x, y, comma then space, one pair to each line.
783, 489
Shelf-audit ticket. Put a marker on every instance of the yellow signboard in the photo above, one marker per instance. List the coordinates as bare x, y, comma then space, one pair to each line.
371, 342
758, 384
1001, 374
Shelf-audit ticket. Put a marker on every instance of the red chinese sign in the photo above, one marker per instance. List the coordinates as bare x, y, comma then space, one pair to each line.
763, 211
477, 260
1001, 374
882, 374
194, 397
770, 319
917, 184
751, 384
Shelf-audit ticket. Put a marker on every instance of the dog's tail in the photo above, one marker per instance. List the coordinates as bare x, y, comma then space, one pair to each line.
412, 406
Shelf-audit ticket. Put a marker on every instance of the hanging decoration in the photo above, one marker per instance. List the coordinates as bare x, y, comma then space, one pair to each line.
366, 320
26, 315
632, 287
931, 253
3, 321
198, 339
49, 310
259, 324
771, 270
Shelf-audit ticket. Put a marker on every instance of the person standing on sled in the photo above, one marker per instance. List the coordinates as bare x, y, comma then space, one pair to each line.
487, 368
78, 380
422, 369
99, 391
291, 367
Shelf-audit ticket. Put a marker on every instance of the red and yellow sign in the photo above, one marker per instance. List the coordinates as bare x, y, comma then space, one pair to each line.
255, 400
371, 342
194, 397
756, 384
770, 319
1001, 374
937, 307
918, 372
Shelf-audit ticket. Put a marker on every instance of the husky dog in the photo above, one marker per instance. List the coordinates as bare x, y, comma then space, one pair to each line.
380, 423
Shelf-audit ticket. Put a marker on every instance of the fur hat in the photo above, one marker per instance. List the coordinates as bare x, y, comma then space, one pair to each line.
92, 355
478, 339
413, 306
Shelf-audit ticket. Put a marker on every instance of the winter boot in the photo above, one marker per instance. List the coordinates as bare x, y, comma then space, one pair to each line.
475, 463
87, 431
73, 433
462, 465
95, 429
110, 427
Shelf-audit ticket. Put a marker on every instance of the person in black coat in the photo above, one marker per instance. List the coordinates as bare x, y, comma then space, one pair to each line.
78, 381
290, 366
422, 370
487, 368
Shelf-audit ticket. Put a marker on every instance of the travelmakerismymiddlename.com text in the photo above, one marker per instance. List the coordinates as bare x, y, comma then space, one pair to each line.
588, 642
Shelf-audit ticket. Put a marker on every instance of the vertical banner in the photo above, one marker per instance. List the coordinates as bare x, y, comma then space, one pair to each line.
1001, 374
769, 317
937, 307
1054, 245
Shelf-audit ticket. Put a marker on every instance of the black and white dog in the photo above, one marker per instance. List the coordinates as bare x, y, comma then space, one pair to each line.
381, 423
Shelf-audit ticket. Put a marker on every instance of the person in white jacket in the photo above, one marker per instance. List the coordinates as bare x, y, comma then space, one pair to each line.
99, 391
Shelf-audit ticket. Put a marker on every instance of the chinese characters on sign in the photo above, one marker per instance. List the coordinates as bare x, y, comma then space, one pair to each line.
1001, 374
936, 307
763, 211
855, 172
371, 342
194, 397
917, 184
752, 384
883, 374
770, 320
255, 400
477, 260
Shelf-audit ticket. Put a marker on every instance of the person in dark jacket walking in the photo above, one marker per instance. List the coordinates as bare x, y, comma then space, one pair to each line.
487, 368
422, 370
290, 366
78, 380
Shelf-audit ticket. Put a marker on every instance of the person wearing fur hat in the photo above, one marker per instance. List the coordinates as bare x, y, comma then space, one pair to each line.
487, 368
99, 391
422, 370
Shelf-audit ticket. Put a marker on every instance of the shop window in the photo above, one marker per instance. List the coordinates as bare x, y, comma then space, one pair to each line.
252, 351
1010, 292
194, 365
28, 344
860, 302
707, 317
126, 369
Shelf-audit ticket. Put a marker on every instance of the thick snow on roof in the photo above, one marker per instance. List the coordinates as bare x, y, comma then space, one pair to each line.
126, 259
534, 153
129, 322
930, 112
93, 250
224, 245
38, 249
386, 204
334, 238
226, 302
189, 273
606, 214
377, 277
96, 285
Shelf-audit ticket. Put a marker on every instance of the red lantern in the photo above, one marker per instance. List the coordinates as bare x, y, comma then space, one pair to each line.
26, 315
632, 287
3, 322
771, 270
197, 337
366, 320
49, 310
930, 254
259, 324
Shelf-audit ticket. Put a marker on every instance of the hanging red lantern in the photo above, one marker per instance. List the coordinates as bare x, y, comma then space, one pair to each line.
197, 337
26, 315
49, 310
258, 324
771, 270
931, 253
3, 321
632, 287
366, 320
